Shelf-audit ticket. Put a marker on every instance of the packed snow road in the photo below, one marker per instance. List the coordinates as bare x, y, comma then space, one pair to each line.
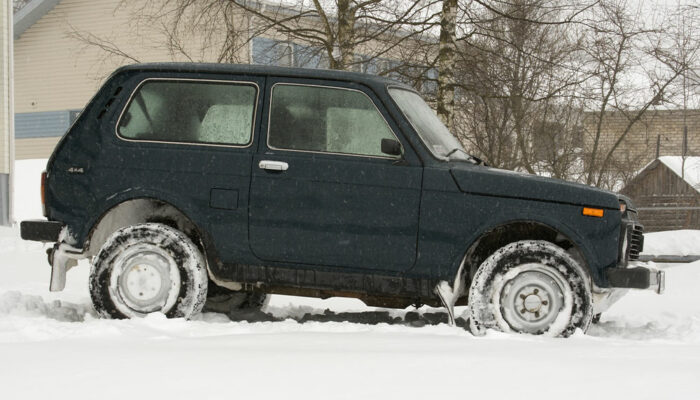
52, 346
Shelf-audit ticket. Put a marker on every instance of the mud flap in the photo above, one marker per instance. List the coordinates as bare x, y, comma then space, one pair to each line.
62, 258
450, 294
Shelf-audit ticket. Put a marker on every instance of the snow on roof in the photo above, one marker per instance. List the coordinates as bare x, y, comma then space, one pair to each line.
690, 172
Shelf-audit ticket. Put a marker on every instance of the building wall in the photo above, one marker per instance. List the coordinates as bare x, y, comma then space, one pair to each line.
32, 148
639, 147
5, 110
5, 41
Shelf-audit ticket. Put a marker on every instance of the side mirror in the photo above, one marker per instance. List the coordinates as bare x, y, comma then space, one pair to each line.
391, 147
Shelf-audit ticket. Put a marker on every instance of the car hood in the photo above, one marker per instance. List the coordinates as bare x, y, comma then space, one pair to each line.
502, 183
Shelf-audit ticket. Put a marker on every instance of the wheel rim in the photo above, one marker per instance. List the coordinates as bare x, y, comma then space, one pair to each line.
533, 297
146, 279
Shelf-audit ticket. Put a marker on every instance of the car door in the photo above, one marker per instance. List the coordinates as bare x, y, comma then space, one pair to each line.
322, 192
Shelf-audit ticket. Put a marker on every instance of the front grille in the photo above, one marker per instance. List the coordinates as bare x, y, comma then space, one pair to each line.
636, 241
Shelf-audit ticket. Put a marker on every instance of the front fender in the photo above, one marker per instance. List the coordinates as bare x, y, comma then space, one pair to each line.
597, 239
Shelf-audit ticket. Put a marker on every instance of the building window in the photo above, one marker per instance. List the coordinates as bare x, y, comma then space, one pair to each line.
285, 54
272, 52
44, 124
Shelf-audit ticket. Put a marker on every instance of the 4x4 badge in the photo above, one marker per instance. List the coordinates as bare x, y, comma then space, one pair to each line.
76, 170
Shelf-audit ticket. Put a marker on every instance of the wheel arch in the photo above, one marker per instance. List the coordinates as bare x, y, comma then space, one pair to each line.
141, 209
495, 237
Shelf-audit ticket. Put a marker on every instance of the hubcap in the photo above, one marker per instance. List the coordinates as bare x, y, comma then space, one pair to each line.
143, 282
532, 298
146, 279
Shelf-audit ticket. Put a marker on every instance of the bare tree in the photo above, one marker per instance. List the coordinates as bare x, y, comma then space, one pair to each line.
633, 68
517, 72
187, 30
511, 79
349, 32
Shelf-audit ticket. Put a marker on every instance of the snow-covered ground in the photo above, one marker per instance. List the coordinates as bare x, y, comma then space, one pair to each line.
677, 243
52, 346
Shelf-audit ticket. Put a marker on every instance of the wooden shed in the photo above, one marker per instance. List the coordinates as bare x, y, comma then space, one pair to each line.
667, 194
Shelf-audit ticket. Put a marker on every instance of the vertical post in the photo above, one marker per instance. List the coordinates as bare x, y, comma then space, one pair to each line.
6, 113
685, 151
658, 146
685, 124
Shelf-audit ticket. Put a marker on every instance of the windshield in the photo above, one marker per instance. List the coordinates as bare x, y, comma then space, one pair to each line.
431, 130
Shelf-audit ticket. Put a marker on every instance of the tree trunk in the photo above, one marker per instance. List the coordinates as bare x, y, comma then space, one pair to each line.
446, 60
346, 39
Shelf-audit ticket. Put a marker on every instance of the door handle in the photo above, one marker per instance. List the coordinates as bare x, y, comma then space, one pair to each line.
273, 165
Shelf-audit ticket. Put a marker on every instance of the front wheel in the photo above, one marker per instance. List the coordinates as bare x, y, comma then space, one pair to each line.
531, 287
148, 268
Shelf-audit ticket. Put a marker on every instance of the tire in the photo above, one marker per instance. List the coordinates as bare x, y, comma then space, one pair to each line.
222, 300
148, 268
531, 287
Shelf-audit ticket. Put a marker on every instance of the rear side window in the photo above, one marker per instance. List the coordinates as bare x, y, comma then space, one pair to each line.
190, 112
325, 119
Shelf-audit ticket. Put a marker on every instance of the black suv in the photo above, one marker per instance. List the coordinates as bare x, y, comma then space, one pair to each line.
179, 180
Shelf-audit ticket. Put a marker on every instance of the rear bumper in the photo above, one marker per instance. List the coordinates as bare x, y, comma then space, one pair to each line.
40, 230
637, 278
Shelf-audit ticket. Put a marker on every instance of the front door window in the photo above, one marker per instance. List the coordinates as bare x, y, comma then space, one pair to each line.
324, 119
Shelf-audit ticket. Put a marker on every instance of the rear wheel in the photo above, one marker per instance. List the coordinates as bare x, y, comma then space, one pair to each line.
148, 268
531, 287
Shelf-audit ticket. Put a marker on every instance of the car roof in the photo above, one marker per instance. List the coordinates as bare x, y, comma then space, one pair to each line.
252, 69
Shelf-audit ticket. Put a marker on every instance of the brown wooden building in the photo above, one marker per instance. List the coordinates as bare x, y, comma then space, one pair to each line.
667, 193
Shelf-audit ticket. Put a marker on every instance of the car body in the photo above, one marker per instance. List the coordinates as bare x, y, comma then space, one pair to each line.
275, 209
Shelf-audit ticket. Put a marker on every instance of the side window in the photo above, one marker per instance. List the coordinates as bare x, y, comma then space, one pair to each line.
190, 112
326, 119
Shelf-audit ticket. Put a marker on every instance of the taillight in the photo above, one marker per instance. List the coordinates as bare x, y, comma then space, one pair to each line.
43, 193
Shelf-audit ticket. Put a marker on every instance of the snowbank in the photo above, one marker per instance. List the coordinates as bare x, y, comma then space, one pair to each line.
17, 304
677, 243
27, 189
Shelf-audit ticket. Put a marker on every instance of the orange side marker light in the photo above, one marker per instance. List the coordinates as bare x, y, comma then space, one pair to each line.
593, 212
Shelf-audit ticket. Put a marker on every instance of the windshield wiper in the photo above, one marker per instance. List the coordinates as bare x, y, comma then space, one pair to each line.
476, 160
456, 149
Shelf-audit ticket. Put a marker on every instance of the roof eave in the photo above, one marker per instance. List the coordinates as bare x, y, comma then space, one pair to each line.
30, 14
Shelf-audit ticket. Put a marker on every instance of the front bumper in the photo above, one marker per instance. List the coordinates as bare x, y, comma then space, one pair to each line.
628, 274
637, 278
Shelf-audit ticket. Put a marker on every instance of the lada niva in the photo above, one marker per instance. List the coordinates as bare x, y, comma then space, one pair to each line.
193, 183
